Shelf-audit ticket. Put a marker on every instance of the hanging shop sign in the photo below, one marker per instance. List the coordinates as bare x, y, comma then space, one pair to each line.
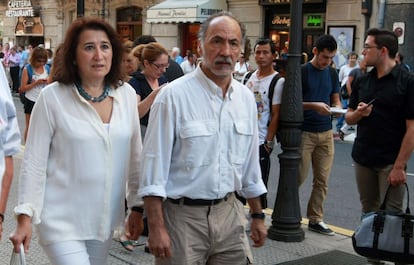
29, 26
20, 8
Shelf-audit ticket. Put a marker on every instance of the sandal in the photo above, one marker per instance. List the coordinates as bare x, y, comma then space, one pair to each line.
127, 244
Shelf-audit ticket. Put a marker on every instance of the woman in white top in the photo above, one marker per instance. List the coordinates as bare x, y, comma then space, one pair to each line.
33, 84
241, 67
83, 149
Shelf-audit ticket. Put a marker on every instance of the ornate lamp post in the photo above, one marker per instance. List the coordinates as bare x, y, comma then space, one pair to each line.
286, 215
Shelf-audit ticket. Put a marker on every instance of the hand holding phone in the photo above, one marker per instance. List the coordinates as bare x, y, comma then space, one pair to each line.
371, 101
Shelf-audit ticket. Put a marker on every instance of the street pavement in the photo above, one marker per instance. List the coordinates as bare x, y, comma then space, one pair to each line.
273, 252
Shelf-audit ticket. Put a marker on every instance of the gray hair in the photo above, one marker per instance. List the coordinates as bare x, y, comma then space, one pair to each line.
206, 24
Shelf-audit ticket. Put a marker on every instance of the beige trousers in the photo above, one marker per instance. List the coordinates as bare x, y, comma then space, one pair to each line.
213, 235
318, 149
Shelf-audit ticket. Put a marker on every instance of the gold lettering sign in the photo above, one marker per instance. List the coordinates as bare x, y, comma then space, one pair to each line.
281, 20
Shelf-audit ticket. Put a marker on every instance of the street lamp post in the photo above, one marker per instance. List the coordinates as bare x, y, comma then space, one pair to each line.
80, 8
286, 217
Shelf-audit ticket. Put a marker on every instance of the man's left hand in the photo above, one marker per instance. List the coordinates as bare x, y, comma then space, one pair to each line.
258, 232
397, 177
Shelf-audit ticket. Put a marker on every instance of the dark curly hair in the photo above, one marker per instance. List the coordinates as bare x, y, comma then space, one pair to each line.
66, 71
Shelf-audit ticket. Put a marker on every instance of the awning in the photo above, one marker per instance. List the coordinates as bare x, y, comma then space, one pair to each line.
181, 11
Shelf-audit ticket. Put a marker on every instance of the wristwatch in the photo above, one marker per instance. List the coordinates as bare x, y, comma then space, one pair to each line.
258, 216
137, 209
269, 144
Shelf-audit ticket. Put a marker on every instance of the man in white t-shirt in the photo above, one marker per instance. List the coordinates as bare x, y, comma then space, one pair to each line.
268, 116
343, 78
189, 65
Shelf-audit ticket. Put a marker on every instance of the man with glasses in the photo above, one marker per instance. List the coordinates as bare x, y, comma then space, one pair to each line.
381, 104
320, 88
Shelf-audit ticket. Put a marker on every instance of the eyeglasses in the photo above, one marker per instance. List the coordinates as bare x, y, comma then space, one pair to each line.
161, 66
41, 61
366, 46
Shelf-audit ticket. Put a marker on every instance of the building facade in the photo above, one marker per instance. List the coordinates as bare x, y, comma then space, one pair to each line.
175, 23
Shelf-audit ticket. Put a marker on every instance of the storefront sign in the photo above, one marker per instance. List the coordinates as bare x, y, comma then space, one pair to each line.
209, 11
281, 20
20, 8
172, 13
183, 12
276, 2
313, 21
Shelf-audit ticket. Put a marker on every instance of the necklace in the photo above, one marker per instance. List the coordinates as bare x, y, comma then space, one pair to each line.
86, 96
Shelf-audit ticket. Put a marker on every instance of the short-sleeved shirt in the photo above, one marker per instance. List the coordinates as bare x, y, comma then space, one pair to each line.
319, 87
379, 136
260, 89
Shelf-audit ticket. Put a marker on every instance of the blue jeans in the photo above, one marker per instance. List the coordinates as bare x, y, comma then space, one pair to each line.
341, 120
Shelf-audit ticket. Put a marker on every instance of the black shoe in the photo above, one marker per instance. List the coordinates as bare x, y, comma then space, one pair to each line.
321, 227
341, 135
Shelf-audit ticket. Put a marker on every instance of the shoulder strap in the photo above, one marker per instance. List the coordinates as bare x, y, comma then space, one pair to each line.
47, 68
29, 73
272, 89
334, 77
247, 76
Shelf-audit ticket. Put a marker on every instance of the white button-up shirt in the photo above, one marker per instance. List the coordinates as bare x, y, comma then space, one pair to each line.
199, 144
9, 128
75, 168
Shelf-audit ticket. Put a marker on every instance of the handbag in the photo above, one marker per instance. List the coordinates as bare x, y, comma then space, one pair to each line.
386, 235
18, 258
344, 92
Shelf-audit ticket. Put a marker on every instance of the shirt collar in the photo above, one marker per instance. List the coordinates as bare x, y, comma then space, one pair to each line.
214, 89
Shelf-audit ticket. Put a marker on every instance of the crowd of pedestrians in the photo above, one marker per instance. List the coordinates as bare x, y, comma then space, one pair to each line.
148, 141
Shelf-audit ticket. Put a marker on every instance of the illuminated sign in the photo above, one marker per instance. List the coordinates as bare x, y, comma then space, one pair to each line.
313, 21
20, 8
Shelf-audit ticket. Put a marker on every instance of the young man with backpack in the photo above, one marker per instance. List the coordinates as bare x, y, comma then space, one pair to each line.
267, 85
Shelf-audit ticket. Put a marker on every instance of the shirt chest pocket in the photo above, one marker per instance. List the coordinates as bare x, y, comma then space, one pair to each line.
242, 141
199, 143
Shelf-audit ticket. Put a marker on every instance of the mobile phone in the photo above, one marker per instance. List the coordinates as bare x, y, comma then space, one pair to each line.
372, 101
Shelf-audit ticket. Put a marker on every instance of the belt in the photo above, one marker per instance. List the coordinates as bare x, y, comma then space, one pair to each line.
198, 202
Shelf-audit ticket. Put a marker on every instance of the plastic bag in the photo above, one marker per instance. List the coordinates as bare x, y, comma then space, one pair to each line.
18, 258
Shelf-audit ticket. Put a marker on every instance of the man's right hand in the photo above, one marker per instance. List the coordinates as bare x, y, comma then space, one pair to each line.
159, 242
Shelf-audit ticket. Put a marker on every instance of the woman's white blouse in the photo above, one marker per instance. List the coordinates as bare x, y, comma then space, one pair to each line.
75, 170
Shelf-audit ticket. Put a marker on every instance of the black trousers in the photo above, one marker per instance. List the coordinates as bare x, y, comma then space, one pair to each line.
264, 158
14, 74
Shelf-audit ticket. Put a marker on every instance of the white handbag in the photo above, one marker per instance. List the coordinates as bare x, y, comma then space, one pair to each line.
18, 258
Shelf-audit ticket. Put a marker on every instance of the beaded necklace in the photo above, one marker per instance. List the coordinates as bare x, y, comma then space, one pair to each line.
86, 96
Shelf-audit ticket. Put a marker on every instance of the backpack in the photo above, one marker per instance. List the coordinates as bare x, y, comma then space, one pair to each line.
29, 68
270, 95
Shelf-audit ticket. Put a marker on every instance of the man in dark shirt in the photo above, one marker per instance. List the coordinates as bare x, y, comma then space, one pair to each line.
320, 91
381, 104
